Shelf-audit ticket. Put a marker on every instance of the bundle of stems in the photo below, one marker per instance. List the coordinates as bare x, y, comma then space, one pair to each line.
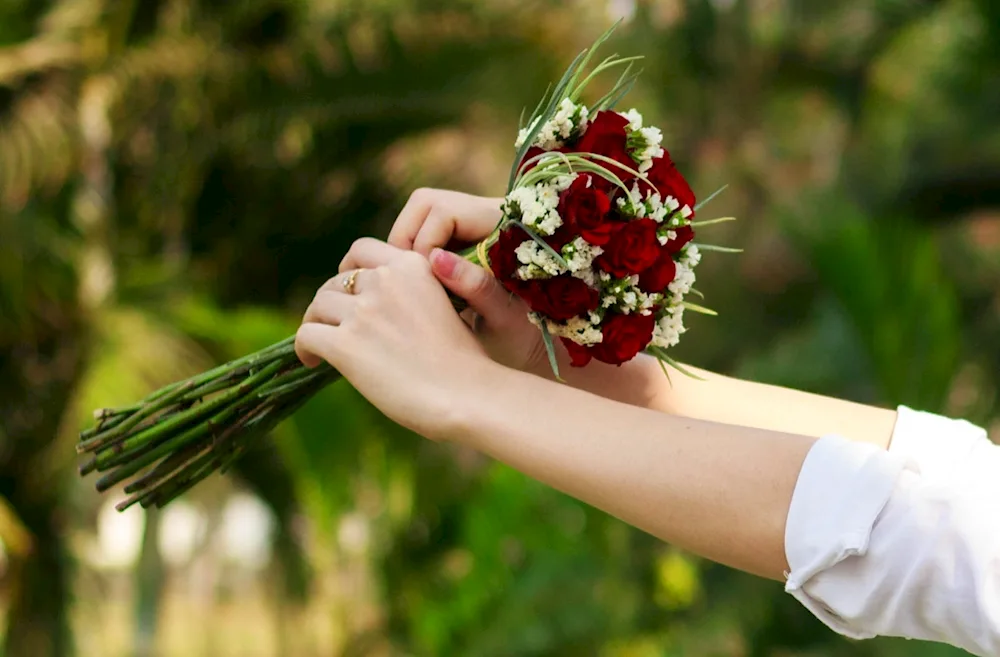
185, 431
182, 433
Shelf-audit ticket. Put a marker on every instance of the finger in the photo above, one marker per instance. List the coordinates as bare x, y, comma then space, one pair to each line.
341, 282
329, 307
368, 253
411, 218
473, 283
315, 343
435, 233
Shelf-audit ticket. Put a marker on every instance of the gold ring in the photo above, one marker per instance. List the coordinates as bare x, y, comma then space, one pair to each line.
351, 281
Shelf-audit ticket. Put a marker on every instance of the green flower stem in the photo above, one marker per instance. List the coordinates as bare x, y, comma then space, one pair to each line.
182, 483
294, 376
148, 410
201, 429
165, 467
177, 421
187, 390
181, 465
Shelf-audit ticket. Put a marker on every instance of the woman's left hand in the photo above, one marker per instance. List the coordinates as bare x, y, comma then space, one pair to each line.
396, 337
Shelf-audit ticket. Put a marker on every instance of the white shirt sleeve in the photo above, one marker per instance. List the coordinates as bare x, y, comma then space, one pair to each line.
902, 543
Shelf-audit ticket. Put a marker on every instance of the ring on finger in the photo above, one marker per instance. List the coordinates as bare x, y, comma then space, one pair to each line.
351, 281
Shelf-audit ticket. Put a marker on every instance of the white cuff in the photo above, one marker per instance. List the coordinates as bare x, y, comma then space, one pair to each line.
936, 444
841, 490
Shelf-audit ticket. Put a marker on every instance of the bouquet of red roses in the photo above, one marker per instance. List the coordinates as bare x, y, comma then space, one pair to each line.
596, 237
597, 228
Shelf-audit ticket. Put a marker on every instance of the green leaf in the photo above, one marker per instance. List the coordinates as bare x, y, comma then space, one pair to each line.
555, 254
550, 349
661, 353
710, 222
663, 368
607, 64
618, 165
710, 197
720, 249
593, 49
624, 80
624, 91
699, 309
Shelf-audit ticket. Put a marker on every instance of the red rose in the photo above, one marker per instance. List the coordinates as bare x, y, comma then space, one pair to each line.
660, 274
668, 181
584, 207
684, 235
606, 136
560, 298
631, 250
624, 337
578, 354
563, 236
503, 258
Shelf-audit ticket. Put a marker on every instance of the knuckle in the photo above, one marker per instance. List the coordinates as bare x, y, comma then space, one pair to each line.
422, 194
326, 287
366, 309
356, 248
484, 286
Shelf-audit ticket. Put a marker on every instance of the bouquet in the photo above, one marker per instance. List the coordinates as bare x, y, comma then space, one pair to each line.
596, 237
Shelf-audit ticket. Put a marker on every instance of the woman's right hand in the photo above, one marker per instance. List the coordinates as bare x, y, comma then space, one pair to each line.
436, 218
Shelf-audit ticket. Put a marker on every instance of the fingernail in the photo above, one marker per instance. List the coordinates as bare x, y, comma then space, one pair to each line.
444, 262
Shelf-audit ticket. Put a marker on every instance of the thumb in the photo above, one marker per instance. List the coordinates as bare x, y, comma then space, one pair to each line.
473, 283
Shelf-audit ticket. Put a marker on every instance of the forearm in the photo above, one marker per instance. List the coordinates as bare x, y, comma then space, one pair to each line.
641, 382
720, 491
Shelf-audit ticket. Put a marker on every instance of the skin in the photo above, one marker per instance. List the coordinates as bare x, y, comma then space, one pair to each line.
708, 466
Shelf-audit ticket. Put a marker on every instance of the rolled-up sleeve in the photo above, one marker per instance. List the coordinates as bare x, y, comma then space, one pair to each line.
901, 543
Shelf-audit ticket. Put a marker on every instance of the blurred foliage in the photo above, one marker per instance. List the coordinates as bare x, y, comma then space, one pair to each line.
178, 176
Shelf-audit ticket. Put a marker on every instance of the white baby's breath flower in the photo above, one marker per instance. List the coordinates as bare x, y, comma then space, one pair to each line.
668, 330
666, 236
632, 204
655, 209
579, 255
536, 206
634, 119
683, 280
536, 261
578, 329
567, 120
691, 256
651, 137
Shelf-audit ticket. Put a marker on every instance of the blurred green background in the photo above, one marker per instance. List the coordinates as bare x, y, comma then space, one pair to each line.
178, 176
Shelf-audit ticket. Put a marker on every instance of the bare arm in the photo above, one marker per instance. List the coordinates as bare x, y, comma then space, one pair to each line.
718, 398
717, 490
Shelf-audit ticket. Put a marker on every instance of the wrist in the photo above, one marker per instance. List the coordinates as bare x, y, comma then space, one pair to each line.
469, 405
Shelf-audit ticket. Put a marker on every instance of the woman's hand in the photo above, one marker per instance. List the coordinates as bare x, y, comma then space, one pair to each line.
395, 336
432, 220
436, 218
499, 319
